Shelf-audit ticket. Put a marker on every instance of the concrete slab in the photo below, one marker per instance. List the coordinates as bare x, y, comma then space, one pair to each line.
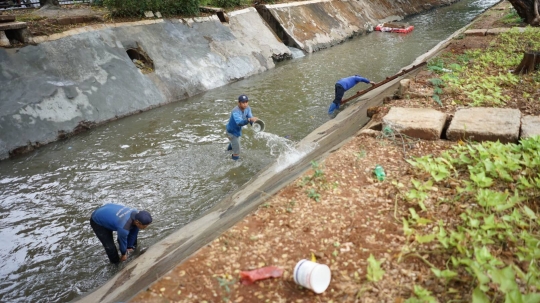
530, 126
12, 25
485, 124
7, 18
422, 123
496, 31
475, 32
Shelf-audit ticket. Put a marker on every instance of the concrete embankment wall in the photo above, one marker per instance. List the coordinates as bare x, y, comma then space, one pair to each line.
71, 82
315, 25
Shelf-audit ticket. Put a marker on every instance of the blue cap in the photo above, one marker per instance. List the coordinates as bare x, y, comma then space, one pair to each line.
243, 98
144, 217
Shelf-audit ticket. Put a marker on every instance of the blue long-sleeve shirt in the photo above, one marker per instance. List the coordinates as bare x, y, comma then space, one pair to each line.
237, 120
351, 81
118, 218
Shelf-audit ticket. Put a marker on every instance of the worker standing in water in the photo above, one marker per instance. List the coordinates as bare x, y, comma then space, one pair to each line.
343, 85
240, 116
126, 221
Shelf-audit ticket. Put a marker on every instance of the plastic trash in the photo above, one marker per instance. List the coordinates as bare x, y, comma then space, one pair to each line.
379, 173
249, 277
312, 275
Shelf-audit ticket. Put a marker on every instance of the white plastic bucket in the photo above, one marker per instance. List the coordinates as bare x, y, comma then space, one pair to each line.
312, 275
258, 126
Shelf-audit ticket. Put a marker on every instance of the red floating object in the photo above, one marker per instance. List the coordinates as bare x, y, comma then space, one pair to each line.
402, 30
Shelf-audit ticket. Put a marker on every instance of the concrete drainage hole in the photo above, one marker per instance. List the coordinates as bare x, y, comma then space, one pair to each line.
141, 60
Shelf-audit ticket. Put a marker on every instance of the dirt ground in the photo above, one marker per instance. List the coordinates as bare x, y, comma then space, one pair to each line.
338, 214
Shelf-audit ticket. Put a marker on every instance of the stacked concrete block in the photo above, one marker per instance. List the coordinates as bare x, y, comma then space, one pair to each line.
423, 123
485, 124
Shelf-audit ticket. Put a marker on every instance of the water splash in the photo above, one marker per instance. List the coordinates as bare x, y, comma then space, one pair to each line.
288, 152
296, 53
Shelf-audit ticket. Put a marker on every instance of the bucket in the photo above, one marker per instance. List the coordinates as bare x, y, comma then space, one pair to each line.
258, 126
312, 275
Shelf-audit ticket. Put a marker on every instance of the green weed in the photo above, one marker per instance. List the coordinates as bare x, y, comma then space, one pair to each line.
374, 271
512, 17
496, 186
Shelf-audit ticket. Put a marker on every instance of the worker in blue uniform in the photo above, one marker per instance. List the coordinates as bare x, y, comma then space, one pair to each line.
343, 85
240, 116
126, 221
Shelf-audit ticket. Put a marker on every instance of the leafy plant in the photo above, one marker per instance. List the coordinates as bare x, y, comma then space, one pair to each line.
361, 154
436, 65
313, 194
421, 296
225, 283
374, 271
437, 89
497, 217
512, 17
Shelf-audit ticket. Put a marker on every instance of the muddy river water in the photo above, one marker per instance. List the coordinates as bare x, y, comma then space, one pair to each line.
172, 161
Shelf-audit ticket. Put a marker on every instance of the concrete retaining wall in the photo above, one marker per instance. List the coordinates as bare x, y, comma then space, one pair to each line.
72, 81
319, 24
75, 80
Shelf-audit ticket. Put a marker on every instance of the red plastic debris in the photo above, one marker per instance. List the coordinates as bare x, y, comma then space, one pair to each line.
249, 277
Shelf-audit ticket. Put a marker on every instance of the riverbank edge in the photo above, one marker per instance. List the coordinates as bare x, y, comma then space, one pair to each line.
184, 243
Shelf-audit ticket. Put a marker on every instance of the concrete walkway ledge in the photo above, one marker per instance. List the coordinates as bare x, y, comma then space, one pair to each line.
91, 28
485, 124
491, 31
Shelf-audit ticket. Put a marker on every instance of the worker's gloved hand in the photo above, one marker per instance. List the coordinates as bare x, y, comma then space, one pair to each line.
332, 108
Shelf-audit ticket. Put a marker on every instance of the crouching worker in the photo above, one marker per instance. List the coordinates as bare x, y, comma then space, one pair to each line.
240, 116
343, 85
126, 221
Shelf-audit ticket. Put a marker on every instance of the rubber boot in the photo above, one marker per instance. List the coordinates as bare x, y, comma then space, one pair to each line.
332, 108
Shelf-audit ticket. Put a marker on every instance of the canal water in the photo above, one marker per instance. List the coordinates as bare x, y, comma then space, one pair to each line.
172, 161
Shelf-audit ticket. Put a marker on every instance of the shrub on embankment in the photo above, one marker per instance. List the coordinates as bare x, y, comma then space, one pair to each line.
136, 8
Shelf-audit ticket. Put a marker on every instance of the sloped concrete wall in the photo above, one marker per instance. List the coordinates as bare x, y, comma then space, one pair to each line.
319, 24
72, 81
